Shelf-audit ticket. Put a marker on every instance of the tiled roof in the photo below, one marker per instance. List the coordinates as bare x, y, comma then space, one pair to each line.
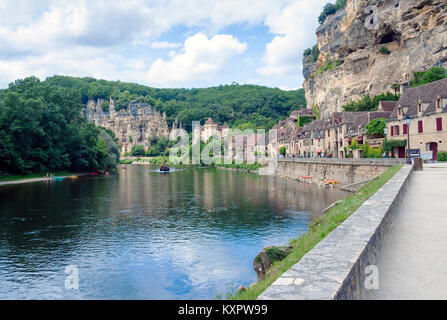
427, 93
387, 106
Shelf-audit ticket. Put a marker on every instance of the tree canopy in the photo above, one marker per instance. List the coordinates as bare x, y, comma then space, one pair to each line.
41, 130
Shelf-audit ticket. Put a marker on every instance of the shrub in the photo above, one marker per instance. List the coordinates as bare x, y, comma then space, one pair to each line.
424, 77
275, 254
312, 54
126, 161
385, 50
138, 151
442, 156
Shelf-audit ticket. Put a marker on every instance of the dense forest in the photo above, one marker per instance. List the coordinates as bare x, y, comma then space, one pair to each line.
242, 106
42, 130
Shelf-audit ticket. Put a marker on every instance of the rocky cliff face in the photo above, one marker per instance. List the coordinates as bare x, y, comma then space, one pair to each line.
414, 32
132, 126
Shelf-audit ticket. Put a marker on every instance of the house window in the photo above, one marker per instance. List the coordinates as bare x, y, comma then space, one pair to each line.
420, 107
397, 130
400, 111
420, 127
438, 103
329, 133
439, 124
392, 130
405, 128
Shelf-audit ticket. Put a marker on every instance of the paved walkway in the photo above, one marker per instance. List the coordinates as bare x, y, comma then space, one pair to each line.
413, 261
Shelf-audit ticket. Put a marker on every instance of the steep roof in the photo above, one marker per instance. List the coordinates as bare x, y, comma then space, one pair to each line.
427, 93
387, 106
209, 122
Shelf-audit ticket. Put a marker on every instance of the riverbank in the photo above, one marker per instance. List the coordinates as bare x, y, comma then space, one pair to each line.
317, 232
19, 179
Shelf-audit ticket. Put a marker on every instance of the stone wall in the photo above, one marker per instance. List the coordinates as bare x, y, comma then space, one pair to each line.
336, 267
344, 171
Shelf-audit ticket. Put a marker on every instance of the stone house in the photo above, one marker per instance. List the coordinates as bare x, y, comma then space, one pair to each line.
210, 128
425, 108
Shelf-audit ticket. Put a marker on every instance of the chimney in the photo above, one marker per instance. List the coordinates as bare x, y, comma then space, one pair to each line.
403, 87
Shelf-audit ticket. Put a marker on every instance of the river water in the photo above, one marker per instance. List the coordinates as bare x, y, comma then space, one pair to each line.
139, 234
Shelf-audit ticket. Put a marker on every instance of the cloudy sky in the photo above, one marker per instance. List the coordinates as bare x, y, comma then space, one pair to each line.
161, 43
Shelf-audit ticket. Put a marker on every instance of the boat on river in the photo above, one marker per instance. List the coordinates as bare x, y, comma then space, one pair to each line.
164, 168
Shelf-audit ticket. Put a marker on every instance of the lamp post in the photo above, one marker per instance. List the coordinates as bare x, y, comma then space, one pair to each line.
407, 122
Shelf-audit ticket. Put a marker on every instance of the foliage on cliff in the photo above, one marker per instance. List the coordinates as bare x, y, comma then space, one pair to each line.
370, 104
238, 105
312, 54
425, 77
330, 8
41, 130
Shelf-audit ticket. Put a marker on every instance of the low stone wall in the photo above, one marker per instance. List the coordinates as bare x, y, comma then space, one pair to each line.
335, 267
344, 171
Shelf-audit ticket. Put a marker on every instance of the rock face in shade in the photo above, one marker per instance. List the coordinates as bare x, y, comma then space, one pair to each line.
132, 126
414, 32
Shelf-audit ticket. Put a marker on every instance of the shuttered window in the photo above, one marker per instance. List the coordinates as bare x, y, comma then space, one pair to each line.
405, 128
420, 127
439, 124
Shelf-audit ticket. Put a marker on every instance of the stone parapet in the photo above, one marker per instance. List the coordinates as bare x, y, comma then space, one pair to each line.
335, 268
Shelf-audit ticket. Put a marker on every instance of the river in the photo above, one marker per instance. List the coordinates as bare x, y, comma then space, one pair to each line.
139, 234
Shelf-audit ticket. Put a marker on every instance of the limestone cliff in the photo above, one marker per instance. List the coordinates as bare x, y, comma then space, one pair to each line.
132, 126
352, 62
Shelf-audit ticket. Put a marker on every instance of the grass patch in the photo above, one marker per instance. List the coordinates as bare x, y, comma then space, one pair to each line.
317, 231
34, 175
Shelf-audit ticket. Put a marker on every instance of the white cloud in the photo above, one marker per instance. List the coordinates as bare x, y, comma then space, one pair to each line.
98, 38
295, 27
164, 45
200, 57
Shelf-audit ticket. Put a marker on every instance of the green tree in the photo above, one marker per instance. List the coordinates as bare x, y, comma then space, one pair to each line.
376, 128
283, 151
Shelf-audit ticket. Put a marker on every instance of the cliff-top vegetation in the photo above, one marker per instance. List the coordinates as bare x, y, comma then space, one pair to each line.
242, 106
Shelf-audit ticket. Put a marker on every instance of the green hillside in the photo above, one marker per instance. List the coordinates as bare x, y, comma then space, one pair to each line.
244, 106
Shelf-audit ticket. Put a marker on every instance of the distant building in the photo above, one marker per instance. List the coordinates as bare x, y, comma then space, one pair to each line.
211, 129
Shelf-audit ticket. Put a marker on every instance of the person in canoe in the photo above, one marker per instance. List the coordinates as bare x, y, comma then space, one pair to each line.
164, 167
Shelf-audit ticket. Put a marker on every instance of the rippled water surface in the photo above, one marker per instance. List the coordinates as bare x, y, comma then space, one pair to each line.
139, 234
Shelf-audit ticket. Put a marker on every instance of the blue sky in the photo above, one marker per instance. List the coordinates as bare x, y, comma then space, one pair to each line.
161, 43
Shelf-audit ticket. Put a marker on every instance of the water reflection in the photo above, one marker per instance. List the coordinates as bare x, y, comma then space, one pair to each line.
143, 235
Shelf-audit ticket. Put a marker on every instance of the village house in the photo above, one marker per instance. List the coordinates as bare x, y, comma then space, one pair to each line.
420, 113
211, 129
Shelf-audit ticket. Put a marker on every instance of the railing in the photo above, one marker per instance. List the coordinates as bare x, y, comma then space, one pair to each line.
359, 161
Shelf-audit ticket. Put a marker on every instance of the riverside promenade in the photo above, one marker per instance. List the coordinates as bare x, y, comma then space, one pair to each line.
413, 260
